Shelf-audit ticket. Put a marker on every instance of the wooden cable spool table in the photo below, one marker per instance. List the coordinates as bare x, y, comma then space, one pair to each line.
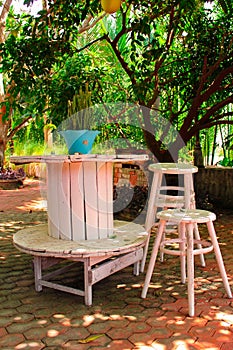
80, 223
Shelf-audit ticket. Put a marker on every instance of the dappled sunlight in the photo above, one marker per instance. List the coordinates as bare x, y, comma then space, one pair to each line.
30, 345
156, 347
39, 204
52, 333
42, 322
88, 319
177, 342
226, 316
178, 339
59, 316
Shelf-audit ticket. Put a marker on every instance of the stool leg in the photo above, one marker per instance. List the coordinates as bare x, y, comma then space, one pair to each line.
219, 258
150, 216
189, 188
145, 250
153, 257
182, 248
199, 246
190, 268
161, 253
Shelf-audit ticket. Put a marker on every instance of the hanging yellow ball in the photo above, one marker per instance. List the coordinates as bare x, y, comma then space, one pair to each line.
110, 6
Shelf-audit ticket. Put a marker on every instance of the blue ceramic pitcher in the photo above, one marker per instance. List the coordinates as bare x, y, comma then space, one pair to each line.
79, 141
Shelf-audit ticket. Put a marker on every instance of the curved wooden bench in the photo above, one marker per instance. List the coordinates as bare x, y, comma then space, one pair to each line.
125, 245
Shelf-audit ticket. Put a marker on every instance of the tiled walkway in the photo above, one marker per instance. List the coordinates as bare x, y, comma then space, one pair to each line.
119, 318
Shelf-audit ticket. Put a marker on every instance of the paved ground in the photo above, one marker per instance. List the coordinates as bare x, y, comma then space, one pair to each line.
119, 318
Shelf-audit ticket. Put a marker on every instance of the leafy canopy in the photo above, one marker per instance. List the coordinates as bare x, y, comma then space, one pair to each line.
171, 56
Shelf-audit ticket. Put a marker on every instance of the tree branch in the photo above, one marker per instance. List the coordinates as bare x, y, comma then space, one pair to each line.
87, 25
92, 42
17, 128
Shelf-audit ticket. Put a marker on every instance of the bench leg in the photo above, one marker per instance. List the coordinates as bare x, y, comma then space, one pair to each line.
37, 273
136, 268
87, 283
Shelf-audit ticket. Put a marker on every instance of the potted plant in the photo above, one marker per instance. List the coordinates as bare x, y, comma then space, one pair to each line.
77, 131
11, 179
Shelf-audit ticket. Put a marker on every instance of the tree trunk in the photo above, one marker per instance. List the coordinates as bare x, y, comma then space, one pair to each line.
159, 150
161, 155
4, 123
198, 156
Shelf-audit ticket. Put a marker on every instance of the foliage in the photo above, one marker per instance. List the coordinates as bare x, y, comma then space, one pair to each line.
226, 162
131, 133
174, 58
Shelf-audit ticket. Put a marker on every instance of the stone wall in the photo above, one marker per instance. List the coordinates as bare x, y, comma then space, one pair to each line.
216, 183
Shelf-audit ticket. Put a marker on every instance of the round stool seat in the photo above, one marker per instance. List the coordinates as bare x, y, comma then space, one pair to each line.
173, 168
186, 215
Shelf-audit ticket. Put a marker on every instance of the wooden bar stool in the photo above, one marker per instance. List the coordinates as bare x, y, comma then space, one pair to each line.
164, 195
186, 220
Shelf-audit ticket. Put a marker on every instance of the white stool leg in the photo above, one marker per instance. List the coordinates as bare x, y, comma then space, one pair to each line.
161, 253
187, 190
150, 216
182, 248
199, 246
153, 257
188, 184
219, 258
190, 268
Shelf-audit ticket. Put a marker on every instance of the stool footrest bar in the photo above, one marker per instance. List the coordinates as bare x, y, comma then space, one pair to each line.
206, 247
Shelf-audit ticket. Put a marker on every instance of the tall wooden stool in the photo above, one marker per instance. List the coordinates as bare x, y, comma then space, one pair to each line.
186, 219
164, 195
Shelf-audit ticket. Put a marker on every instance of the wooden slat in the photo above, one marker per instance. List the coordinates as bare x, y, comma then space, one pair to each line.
109, 180
61, 287
91, 200
77, 158
102, 187
52, 199
77, 202
112, 266
64, 211
59, 271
